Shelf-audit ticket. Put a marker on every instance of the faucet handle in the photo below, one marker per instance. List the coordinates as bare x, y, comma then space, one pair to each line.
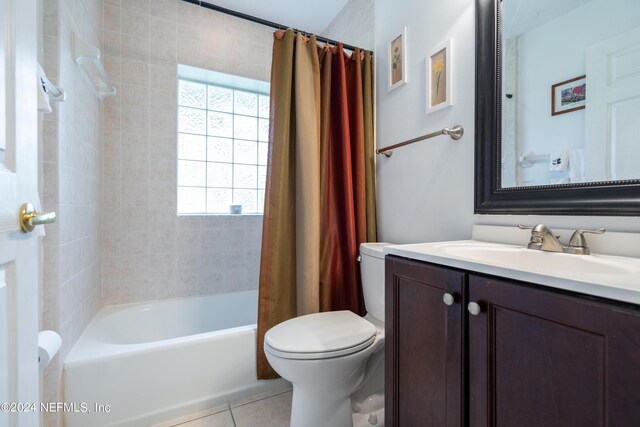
538, 233
535, 239
578, 240
538, 230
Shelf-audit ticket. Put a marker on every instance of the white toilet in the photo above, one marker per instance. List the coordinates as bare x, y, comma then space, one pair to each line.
328, 356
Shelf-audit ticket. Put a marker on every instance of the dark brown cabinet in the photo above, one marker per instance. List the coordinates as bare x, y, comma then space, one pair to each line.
425, 372
530, 356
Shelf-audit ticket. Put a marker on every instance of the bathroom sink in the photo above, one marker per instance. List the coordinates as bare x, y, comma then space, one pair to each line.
516, 257
614, 277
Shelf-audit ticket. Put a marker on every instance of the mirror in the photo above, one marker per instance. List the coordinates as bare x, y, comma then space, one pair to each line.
558, 107
553, 53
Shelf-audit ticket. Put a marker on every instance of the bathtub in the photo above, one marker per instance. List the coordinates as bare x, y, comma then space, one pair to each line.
151, 362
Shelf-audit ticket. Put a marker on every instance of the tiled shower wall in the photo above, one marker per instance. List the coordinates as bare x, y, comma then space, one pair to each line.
148, 251
72, 183
354, 24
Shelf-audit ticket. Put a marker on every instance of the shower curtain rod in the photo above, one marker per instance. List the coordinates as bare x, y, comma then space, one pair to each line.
267, 23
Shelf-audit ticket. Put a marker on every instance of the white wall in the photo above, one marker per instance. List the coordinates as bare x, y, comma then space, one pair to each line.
425, 191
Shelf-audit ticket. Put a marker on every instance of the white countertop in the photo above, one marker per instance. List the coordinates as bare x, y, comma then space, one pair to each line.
613, 277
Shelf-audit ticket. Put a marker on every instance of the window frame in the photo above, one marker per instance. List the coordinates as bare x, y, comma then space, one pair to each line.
261, 151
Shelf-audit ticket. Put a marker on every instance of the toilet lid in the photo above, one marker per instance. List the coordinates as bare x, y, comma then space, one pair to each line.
330, 334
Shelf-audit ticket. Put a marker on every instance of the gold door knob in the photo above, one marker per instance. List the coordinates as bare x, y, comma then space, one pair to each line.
29, 218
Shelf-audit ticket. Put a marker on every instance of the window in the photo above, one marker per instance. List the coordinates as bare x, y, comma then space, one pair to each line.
223, 134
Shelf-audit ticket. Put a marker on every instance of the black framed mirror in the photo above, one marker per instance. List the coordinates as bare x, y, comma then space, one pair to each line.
611, 197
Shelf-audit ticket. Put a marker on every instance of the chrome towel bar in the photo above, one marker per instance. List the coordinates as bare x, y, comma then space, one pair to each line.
455, 133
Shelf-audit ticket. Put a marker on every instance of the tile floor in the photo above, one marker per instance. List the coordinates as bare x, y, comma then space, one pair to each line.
270, 409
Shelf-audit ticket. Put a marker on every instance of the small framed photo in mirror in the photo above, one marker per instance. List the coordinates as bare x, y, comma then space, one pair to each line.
439, 83
398, 60
569, 95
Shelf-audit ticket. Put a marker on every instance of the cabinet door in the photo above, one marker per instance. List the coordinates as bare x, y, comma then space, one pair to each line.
541, 358
424, 345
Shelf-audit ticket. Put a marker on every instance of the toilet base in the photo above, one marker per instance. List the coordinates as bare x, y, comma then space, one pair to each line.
310, 408
373, 418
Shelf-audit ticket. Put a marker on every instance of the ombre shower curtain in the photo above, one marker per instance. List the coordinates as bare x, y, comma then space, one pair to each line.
320, 191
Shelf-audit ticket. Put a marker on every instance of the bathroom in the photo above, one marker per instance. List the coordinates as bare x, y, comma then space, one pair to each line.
109, 167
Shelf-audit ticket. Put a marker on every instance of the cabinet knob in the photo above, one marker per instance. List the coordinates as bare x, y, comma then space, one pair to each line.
474, 308
448, 299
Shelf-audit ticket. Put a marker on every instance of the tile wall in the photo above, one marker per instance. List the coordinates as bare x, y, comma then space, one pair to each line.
354, 24
71, 185
150, 253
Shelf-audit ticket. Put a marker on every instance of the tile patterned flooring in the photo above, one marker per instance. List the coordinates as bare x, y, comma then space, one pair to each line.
271, 409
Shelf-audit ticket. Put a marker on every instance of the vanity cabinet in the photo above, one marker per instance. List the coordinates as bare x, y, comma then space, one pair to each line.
529, 357
424, 345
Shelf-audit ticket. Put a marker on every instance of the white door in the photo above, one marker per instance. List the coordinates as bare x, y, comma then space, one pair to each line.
612, 144
18, 184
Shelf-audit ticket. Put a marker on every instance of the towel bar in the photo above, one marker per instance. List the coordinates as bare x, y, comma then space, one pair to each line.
83, 53
455, 133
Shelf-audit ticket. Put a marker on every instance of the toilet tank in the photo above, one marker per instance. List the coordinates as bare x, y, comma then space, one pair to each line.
372, 273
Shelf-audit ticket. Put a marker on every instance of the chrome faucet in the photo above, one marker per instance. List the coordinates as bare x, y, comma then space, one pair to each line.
543, 239
578, 243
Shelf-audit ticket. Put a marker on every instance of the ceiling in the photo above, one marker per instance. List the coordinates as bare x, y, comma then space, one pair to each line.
311, 16
521, 16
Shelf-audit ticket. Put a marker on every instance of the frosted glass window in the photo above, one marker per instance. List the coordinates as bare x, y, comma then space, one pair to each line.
245, 128
191, 200
192, 174
262, 176
260, 197
220, 99
192, 147
220, 150
191, 94
245, 176
219, 199
246, 103
223, 148
247, 198
263, 153
219, 175
263, 110
245, 152
220, 124
263, 130
191, 120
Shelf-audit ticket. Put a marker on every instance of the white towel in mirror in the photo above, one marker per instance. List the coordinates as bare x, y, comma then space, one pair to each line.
559, 161
576, 161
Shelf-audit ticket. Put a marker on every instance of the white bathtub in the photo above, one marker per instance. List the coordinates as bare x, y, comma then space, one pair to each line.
155, 361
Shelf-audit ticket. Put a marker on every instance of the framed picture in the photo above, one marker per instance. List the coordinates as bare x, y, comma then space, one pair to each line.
569, 95
398, 60
439, 83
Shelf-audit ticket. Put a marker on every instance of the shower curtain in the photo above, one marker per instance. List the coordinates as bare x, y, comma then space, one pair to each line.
320, 192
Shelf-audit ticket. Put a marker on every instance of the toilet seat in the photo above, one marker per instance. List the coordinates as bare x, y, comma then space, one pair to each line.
320, 336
